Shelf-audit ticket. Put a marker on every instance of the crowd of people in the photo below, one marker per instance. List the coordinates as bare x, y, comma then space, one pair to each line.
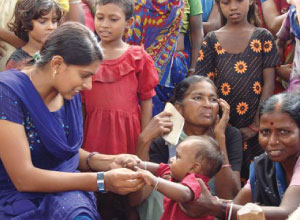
83, 88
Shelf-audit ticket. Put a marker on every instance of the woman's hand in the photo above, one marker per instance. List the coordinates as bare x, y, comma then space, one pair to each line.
123, 181
159, 125
284, 71
126, 161
247, 133
202, 206
221, 124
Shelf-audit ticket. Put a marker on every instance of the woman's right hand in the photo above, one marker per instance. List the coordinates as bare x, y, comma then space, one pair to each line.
158, 126
203, 206
123, 181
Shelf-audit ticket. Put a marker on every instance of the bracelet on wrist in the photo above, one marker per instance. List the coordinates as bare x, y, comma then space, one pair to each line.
226, 165
226, 209
230, 211
254, 129
223, 209
88, 160
156, 184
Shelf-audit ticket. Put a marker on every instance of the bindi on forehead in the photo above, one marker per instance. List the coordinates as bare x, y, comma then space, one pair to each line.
271, 123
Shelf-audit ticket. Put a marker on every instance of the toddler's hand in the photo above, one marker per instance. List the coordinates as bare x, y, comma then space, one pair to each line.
148, 177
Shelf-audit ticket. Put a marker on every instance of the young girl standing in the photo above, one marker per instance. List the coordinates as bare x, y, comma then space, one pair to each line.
241, 59
34, 21
120, 103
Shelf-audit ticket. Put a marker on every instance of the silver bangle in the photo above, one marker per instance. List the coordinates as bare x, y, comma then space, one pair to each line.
230, 211
75, 2
156, 184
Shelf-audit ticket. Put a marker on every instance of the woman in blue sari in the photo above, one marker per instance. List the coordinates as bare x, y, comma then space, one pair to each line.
41, 135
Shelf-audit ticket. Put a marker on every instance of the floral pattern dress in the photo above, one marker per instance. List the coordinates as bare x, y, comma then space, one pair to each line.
239, 77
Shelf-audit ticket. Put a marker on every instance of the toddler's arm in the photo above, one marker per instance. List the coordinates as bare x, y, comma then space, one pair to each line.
174, 191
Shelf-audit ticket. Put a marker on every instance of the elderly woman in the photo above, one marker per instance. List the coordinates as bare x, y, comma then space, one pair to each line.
274, 175
196, 99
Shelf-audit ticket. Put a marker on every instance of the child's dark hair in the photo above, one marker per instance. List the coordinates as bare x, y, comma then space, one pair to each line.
126, 5
28, 10
208, 154
182, 87
74, 42
288, 103
252, 17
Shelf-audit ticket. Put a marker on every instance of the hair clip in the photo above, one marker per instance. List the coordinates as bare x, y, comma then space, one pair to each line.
37, 56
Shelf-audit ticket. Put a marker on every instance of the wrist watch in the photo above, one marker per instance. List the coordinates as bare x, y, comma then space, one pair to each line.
100, 182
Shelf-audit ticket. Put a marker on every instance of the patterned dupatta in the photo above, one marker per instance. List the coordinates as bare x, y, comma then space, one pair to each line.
156, 27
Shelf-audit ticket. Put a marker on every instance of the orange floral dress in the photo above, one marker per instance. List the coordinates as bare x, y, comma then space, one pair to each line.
112, 122
239, 77
239, 80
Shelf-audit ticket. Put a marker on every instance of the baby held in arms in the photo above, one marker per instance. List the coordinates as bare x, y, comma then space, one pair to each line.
196, 157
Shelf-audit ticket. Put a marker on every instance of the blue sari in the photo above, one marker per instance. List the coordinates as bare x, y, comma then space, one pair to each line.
267, 180
54, 140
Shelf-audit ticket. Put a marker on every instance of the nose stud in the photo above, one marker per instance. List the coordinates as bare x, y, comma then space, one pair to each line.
277, 142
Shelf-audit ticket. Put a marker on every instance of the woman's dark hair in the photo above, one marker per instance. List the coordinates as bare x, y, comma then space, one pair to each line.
28, 10
182, 87
126, 5
288, 103
252, 17
72, 41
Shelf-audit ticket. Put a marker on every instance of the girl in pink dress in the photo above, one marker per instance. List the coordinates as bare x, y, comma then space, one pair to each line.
120, 103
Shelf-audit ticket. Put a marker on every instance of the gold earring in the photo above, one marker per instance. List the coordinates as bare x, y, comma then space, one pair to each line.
54, 74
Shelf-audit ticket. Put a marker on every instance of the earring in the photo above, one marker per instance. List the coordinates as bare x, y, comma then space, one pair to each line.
54, 74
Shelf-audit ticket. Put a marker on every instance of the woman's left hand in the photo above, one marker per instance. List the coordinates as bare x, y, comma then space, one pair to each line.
123, 181
221, 123
247, 133
126, 161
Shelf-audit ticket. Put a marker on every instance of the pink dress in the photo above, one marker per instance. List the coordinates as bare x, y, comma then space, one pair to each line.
112, 122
